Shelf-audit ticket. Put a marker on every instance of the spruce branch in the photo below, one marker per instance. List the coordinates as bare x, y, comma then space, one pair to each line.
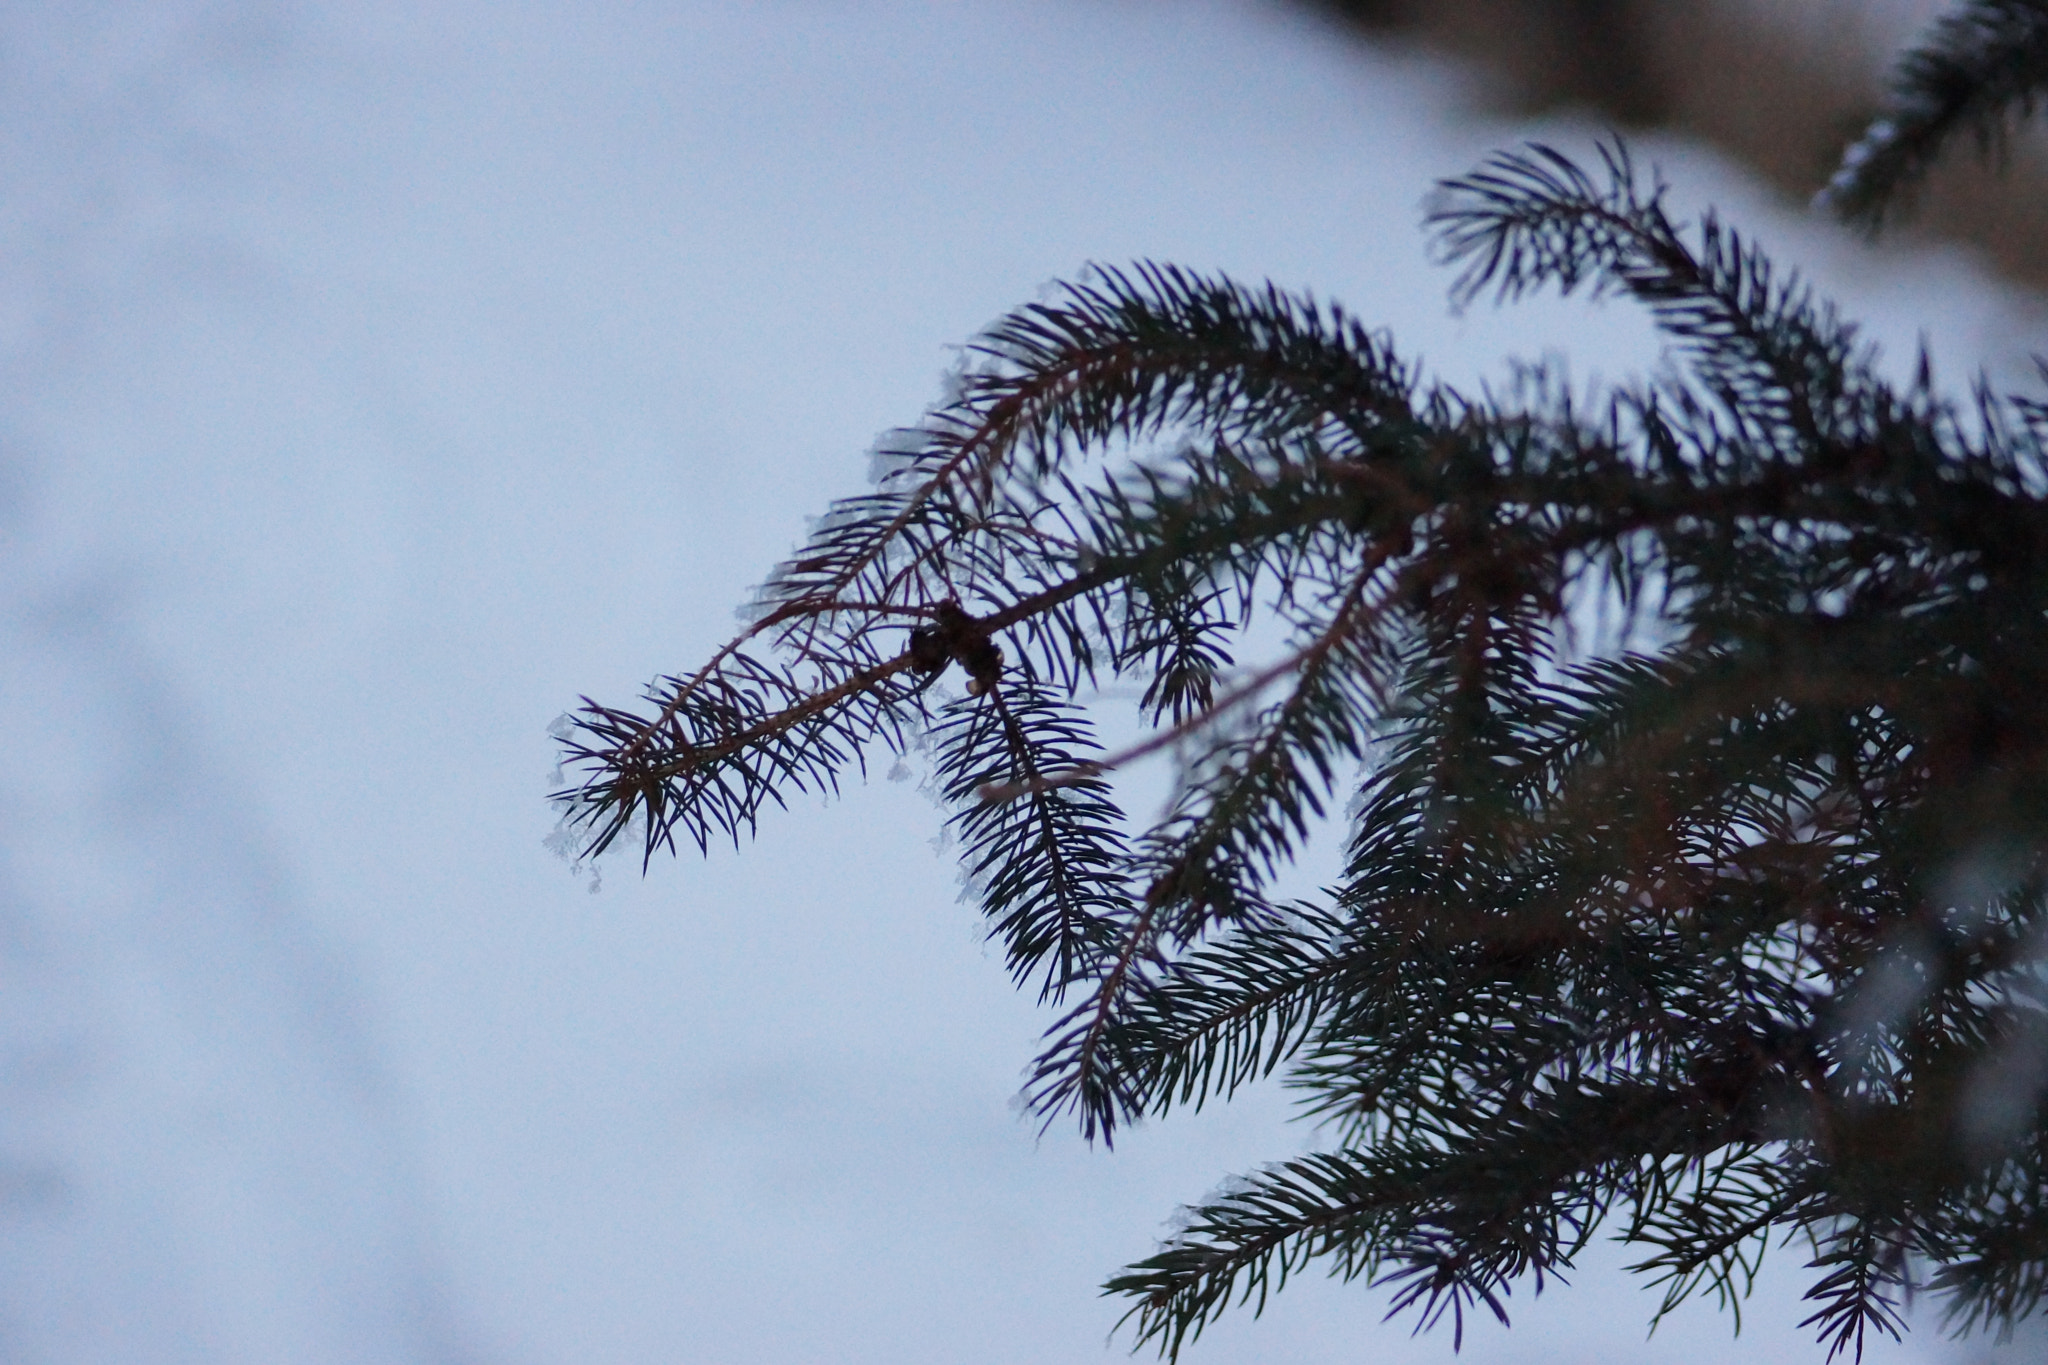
1978, 70
1712, 932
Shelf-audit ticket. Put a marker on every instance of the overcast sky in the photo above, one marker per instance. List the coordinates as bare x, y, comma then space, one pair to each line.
378, 379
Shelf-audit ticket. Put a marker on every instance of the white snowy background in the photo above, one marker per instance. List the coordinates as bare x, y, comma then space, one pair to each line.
375, 378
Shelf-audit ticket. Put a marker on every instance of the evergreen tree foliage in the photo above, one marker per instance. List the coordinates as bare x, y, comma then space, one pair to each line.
1695, 889
1979, 70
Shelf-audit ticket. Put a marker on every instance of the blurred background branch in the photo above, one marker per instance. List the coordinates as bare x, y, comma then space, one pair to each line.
1782, 87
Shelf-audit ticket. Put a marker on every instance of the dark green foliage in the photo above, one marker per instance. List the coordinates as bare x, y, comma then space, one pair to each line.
1695, 881
1979, 68
1045, 859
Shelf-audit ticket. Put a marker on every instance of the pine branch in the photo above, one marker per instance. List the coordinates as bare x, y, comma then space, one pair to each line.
1231, 826
1764, 349
1046, 867
1623, 926
1978, 71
